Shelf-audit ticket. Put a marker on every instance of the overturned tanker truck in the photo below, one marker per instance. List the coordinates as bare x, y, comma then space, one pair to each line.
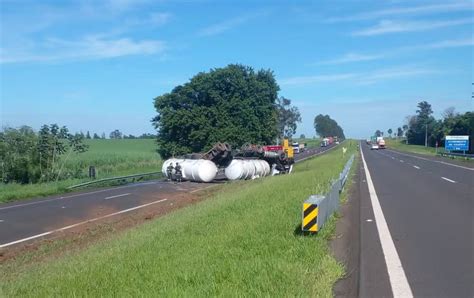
250, 162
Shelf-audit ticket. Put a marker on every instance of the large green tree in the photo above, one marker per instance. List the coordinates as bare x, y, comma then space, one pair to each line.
325, 127
234, 104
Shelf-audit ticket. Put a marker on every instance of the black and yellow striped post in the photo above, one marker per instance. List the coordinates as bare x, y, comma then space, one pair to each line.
310, 217
311, 209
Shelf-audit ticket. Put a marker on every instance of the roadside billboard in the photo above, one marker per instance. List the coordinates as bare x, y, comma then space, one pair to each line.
457, 143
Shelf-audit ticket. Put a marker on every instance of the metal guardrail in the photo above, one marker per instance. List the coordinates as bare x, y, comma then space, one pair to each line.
318, 208
452, 154
113, 178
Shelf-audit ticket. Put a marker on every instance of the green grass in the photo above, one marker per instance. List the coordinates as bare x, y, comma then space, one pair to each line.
117, 157
419, 149
110, 157
402, 146
242, 241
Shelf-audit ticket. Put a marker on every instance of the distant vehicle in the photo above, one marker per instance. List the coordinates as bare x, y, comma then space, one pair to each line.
374, 147
302, 147
325, 142
296, 147
381, 144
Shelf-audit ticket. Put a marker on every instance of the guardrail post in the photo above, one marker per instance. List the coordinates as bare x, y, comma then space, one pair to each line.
312, 219
318, 208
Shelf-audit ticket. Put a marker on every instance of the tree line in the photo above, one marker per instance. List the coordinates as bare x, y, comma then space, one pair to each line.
423, 128
327, 127
27, 156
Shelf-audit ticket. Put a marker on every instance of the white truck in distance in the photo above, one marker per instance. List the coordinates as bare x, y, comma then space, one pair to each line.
381, 143
296, 147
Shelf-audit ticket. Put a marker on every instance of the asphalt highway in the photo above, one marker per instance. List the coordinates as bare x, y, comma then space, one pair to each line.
28, 220
420, 240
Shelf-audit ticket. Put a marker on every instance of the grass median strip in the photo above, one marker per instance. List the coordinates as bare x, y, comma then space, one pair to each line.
244, 240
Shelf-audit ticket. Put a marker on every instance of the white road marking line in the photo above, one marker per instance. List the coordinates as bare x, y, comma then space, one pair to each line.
1, 220
369, 220
117, 196
80, 223
77, 195
401, 160
437, 161
416, 167
447, 179
398, 279
393, 157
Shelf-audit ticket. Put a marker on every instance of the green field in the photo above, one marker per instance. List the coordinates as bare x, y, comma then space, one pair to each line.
110, 157
242, 241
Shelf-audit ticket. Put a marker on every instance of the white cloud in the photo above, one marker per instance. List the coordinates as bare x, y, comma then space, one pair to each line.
123, 5
353, 57
387, 26
403, 11
363, 78
219, 28
159, 18
392, 73
453, 43
87, 48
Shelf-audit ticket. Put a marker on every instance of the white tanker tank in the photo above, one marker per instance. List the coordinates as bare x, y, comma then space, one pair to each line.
198, 170
242, 169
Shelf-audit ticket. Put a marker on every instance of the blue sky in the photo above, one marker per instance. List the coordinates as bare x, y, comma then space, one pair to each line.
97, 65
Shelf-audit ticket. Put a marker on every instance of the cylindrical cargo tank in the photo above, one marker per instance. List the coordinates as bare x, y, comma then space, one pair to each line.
241, 169
198, 170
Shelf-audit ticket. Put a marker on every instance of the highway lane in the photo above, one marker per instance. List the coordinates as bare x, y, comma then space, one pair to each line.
31, 219
430, 220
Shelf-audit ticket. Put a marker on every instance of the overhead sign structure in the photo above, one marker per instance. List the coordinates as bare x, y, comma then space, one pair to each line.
457, 143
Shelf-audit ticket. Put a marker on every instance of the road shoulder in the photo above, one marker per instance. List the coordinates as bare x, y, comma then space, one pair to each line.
346, 244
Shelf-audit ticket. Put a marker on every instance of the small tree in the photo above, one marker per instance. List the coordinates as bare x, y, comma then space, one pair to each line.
88, 135
96, 136
103, 136
399, 132
390, 132
302, 136
116, 134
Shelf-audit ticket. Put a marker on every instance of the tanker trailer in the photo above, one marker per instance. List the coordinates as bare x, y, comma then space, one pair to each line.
242, 169
197, 170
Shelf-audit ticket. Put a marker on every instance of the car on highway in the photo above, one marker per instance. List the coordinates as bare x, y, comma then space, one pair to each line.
374, 147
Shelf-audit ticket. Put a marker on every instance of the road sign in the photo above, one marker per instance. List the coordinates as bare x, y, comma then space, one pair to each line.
457, 143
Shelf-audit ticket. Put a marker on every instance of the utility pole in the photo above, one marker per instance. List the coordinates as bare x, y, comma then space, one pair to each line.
426, 135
